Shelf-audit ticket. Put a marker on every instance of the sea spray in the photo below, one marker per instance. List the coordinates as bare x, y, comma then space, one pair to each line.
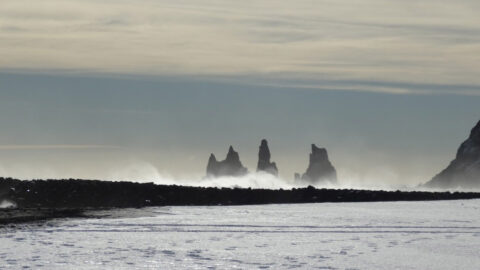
7, 204
259, 180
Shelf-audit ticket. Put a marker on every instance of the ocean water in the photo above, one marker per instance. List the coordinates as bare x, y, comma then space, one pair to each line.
381, 235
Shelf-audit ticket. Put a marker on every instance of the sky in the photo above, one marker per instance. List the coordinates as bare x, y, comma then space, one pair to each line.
143, 89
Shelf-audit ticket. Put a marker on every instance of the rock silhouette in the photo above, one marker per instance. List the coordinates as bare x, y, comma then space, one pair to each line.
264, 164
231, 166
319, 170
464, 170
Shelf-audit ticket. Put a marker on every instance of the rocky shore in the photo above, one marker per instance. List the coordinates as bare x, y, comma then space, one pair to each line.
71, 194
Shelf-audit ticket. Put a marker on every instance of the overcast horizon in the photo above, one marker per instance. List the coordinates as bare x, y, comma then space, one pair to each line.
147, 89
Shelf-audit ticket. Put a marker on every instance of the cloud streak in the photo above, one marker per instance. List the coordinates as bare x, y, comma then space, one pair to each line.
428, 42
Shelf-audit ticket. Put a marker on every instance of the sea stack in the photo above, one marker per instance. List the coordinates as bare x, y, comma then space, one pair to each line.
264, 164
464, 170
319, 170
231, 166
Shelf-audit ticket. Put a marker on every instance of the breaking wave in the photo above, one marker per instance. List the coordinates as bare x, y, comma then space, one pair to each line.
7, 204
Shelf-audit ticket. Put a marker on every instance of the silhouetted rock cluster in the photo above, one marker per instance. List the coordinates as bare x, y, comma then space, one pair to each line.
231, 166
320, 169
75, 194
264, 164
464, 170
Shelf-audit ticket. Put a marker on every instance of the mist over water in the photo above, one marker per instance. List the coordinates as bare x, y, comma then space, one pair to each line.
141, 171
261, 180
144, 172
251, 180
377, 178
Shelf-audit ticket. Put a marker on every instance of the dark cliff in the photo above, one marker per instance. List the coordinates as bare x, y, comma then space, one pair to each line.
464, 170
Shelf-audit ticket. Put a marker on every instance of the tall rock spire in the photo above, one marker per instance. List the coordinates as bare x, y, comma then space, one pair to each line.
212, 164
264, 163
319, 168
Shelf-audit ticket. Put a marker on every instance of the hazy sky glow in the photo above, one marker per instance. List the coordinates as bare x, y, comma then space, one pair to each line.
108, 89
327, 43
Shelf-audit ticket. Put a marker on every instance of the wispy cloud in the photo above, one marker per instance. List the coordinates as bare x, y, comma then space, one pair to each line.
427, 42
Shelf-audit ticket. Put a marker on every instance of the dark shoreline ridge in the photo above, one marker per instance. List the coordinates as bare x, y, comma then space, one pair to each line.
61, 194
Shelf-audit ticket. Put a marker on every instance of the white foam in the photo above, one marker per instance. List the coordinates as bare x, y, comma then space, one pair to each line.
7, 204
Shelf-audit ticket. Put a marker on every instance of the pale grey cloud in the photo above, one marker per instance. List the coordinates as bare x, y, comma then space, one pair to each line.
417, 42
